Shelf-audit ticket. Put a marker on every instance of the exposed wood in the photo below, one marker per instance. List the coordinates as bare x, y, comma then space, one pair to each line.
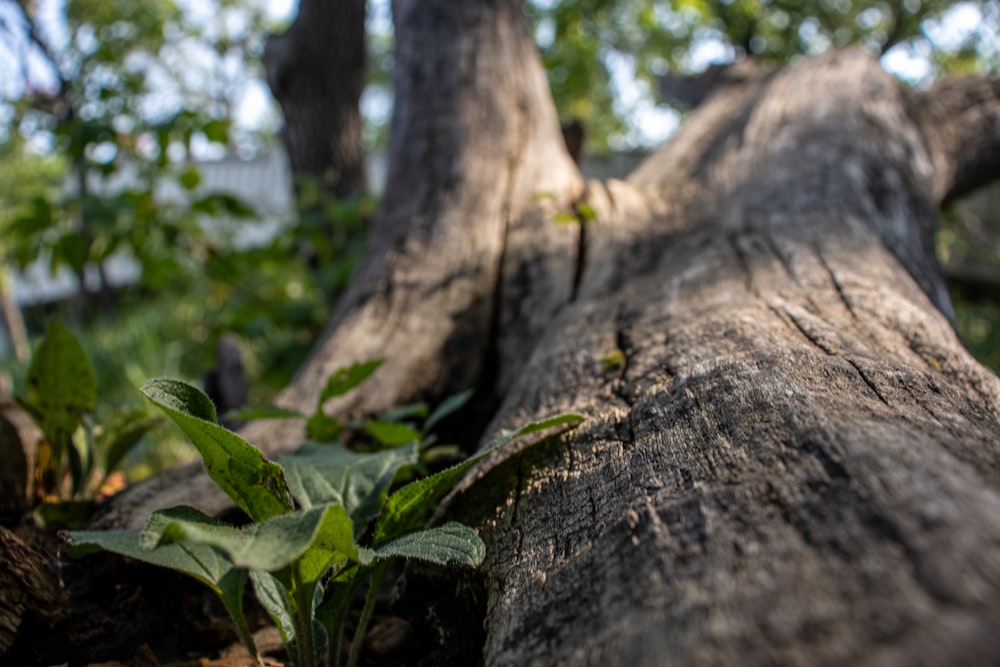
33, 599
798, 462
788, 459
478, 172
961, 119
14, 472
478, 168
19, 438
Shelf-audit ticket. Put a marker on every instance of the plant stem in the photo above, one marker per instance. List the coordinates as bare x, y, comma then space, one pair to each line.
303, 619
335, 633
378, 576
247, 638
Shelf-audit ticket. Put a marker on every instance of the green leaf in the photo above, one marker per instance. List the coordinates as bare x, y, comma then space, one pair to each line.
391, 434
256, 485
60, 386
268, 545
323, 428
447, 407
319, 474
335, 599
204, 563
564, 419
450, 544
66, 513
403, 412
71, 250
407, 509
216, 130
585, 212
255, 412
236, 207
125, 430
274, 598
346, 379
190, 178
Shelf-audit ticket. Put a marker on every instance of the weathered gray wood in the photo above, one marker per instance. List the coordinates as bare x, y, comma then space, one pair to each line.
477, 167
789, 458
797, 462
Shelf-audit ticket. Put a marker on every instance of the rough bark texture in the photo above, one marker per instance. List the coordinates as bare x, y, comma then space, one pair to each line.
462, 247
316, 71
797, 461
789, 458
33, 599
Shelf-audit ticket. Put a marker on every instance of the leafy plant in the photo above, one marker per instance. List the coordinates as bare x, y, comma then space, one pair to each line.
305, 549
400, 426
60, 393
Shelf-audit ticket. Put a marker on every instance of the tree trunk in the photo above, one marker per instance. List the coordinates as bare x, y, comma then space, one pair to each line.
316, 71
788, 458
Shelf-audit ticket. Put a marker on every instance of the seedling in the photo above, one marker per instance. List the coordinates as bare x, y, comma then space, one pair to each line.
60, 393
304, 549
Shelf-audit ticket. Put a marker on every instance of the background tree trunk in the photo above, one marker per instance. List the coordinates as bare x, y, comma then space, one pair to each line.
788, 458
316, 71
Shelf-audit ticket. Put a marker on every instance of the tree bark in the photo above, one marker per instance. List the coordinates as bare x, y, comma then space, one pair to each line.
316, 71
788, 456
33, 599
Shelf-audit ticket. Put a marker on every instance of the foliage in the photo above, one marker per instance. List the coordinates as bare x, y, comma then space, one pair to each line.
122, 106
968, 245
978, 324
305, 549
588, 46
74, 458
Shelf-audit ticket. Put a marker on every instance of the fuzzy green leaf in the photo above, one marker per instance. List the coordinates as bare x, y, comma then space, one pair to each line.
256, 485
407, 509
309, 486
269, 545
272, 596
201, 561
319, 474
450, 544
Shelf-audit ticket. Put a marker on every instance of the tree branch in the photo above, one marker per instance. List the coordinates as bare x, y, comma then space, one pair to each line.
961, 119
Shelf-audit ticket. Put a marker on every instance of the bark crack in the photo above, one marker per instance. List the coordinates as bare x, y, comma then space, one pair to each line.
744, 262
516, 507
581, 247
837, 285
920, 402
492, 362
816, 340
612, 202
784, 314
785, 264
868, 381
622, 358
